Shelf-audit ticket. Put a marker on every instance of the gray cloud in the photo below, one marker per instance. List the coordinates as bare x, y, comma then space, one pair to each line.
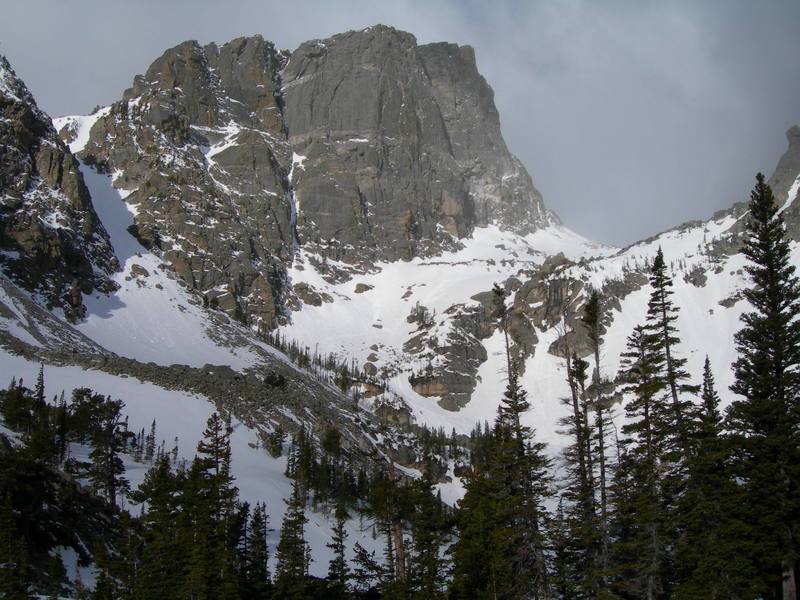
630, 116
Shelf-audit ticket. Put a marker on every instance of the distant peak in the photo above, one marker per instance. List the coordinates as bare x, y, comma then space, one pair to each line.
793, 135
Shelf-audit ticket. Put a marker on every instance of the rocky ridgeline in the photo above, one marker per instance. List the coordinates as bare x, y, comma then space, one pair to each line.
362, 147
199, 144
555, 294
51, 241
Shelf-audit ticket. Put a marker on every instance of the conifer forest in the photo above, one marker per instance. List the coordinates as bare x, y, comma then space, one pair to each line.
678, 499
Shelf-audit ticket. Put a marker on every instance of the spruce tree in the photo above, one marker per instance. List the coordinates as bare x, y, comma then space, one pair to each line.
591, 320
163, 554
641, 476
501, 548
15, 570
257, 577
109, 440
292, 551
427, 567
578, 559
713, 551
765, 421
338, 569
662, 315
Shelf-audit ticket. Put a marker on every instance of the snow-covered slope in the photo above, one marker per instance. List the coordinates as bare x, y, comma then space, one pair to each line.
420, 332
369, 317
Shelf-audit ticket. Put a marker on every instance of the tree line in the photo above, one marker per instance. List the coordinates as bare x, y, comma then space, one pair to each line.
683, 501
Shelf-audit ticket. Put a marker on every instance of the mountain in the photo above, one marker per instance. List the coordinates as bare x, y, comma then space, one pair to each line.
332, 218
51, 241
364, 147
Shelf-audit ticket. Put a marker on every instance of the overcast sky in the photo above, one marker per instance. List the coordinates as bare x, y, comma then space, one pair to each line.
631, 116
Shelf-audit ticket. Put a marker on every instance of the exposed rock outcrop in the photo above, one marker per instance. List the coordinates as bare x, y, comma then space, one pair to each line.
198, 142
402, 147
364, 147
51, 241
784, 178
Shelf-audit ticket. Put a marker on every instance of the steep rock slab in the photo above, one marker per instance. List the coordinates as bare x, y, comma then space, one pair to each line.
51, 242
401, 146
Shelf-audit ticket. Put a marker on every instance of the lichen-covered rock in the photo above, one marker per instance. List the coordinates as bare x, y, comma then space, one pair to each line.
51, 241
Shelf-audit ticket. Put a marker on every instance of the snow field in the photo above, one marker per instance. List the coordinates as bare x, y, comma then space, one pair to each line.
259, 477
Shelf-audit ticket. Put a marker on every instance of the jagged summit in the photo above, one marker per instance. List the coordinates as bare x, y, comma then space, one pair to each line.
362, 148
51, 241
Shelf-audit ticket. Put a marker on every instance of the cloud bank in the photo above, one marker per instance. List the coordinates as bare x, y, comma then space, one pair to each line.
630, 116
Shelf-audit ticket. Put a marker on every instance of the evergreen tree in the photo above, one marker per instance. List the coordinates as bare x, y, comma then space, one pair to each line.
765, 421
109, 439
661, 317
257, 577
163, 556
338, 569
427, 567
38, 392
292, 550
575, 526
591, 320
640, 475
367, 571
500, 550
715, 544
15, 571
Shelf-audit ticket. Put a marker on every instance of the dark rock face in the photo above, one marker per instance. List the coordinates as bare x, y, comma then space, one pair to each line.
784, 177
199, 143
402, 146
51, 240
454, 353
363, 147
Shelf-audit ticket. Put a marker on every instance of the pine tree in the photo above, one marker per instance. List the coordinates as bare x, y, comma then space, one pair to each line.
164, 552
713, 551
257, 577
292, 551
367, 571
641, 477
765, 422
427, 568
661, 317
338, 569
108, 437
38, 392
501, 551
578, 558
591, 320
15, 570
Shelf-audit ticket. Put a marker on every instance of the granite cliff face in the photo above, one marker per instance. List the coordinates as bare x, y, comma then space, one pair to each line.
198, 142
402, 148
51, 242
361, 148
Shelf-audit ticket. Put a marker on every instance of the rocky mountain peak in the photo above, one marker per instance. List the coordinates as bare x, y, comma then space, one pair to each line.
402, 146
51, 241
362, 148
